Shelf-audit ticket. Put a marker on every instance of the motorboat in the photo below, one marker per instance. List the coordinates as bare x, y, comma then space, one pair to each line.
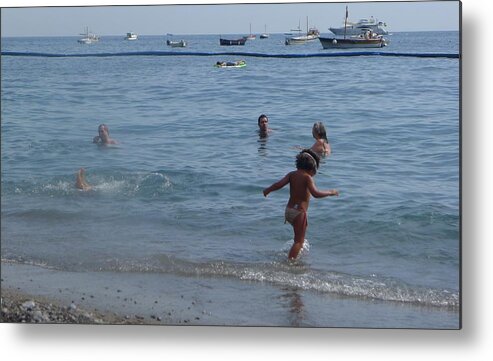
131, 36
356, 28
176, 44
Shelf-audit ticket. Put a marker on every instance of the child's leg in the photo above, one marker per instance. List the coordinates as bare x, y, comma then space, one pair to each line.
299, 228
80, 181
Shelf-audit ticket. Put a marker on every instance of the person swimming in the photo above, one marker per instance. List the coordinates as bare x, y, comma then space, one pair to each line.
321, 145
104, 136
222, 64
263, 126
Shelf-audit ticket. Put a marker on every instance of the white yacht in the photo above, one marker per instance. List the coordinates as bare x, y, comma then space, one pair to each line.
356, 28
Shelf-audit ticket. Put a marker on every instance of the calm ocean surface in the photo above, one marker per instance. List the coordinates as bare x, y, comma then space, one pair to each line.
181, 195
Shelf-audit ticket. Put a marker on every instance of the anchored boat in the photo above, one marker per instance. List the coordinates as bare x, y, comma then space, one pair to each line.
88, 38
353, 42
356, 28
227, 42
311, 34
176, 44
365, 39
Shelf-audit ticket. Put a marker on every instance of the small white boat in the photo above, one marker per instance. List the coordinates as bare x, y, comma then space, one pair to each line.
88, 38
311, 34
131, 36
176, 44
251, 36
264, 35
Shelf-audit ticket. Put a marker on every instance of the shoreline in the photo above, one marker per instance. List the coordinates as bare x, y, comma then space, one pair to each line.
34, 294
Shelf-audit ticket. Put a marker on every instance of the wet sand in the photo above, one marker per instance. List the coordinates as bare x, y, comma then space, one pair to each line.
31, 294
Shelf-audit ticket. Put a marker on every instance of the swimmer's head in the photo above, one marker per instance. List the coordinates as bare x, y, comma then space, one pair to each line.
318, 131
308, 160
263, 122
103, 130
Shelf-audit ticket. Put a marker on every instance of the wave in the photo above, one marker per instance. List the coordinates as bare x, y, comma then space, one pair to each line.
280, 272
142, 185
294, 275
147, 185
242, 54
297, 275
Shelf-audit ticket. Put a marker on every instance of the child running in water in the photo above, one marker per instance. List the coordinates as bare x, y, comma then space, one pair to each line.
321, 145
301, 186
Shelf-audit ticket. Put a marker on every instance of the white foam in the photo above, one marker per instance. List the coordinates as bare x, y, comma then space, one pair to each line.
111, 186
59, 186
287, 246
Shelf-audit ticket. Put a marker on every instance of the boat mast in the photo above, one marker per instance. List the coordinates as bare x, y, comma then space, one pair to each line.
345, 23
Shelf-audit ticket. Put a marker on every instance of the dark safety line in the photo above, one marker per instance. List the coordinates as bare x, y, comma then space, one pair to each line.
237, 54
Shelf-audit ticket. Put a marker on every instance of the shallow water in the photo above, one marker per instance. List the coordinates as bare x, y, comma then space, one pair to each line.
181, 195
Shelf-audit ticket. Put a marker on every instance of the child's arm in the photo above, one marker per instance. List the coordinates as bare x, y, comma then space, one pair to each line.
328, 150
320, 194
278, 185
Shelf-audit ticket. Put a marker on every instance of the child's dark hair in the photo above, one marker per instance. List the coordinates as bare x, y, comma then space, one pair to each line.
308, 160
319, 129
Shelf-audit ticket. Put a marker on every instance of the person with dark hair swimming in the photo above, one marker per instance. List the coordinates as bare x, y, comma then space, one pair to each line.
301, 186
103, 136
263, 125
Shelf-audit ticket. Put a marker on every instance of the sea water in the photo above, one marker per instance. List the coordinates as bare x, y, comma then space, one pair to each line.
179, 199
